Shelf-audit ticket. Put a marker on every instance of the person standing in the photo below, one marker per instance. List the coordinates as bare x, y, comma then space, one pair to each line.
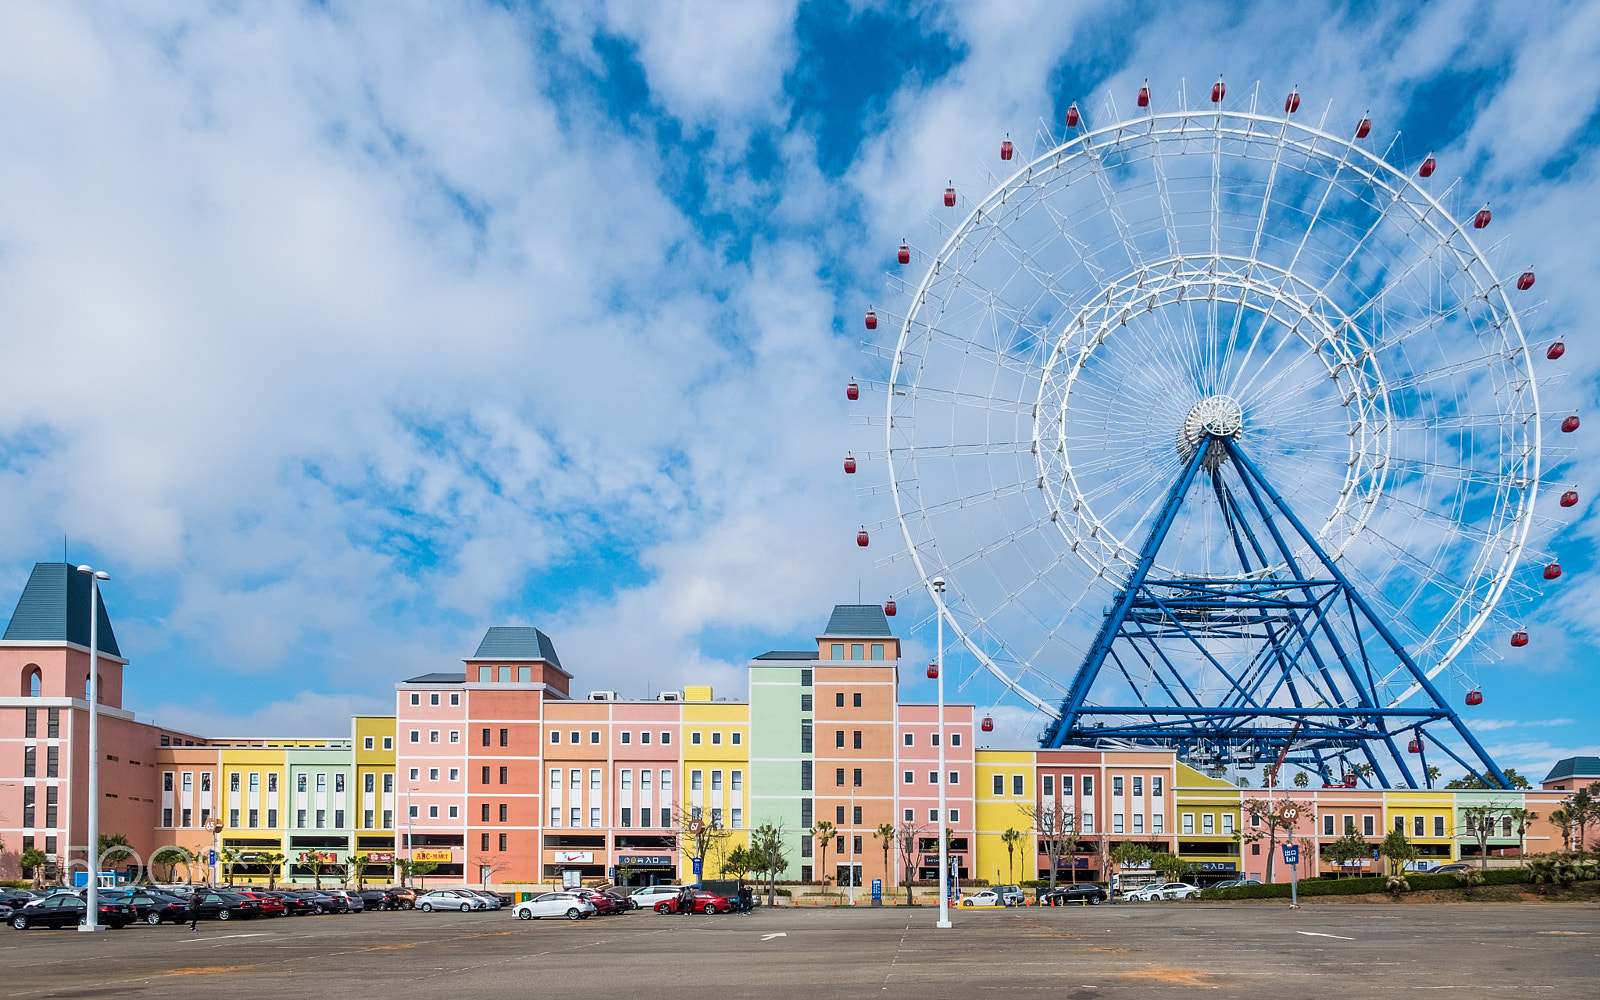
194, 909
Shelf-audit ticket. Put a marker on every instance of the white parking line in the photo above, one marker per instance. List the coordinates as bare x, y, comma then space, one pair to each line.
222, 937
769, 937
1315, 934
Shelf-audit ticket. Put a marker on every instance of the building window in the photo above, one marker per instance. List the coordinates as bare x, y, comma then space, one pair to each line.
908, 740
1417, 829
484, 814
857, 651
233, 781
666, 815
838, 777
805, 779
1138, 822
483, 777
388, 819
166, 782
933, 777
716, 739
627, 816
416, 699
272, 818
1227, 824
166, 817
504, 810
1187, 823
1208, 824
1088, 785
955, 815
838, 739
412, 775
1327, 826
366, 743
575, 737
856, 697
737, 738
1116, 786
1066, 785
627, 738
1158, 824
857, 738
503, 836
555, 737
555, 815
666, 738
433, 812
433, 774
300, 817
805, 703
644, 738
955, 777
1155, 788
455, 774
696, 779
737, 777
594, 779
1016, 784
805, 676
805, 735
505, 738
505, 775
433, 698
322, 819
836, 651
455, 698
999, 784
1047, 785
644, 817
910, 776
415, 736
1438, 825
388, 781
666, 786
627, 780
187, 815
694, 739
433, 736
233, 817
1138, 786
644, 780
1116, 823
594, 736
955, 740
483, 737
594, 816
1400, 823
388, 744
933, 815
366, 819
838, 815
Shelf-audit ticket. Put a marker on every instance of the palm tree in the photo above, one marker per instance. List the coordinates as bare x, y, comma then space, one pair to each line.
274, 864
1562, 820
1011, 838
823, 832
1522, 818
885, 835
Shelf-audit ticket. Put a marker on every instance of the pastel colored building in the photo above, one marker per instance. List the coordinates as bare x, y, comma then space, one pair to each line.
497, 773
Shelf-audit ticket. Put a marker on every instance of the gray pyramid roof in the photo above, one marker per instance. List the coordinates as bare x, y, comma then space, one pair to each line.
54, 607
857, 619
516, 642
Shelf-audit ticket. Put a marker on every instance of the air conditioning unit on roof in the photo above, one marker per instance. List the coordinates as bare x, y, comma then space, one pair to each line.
670, 696
602, 696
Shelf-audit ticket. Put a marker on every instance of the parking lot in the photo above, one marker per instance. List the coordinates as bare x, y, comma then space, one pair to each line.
1243, 950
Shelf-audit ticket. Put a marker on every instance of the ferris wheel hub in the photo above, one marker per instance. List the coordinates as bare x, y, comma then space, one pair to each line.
1215, 416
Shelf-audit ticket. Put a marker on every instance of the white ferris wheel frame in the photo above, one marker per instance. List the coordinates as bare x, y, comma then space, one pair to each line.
1369, 445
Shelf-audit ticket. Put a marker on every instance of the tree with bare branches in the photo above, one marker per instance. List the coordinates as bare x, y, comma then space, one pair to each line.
908, 836
1053, 827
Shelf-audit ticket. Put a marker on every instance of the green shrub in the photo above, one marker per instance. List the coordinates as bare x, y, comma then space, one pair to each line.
1359, 886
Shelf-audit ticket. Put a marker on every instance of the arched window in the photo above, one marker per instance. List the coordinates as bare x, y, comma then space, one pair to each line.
32, 677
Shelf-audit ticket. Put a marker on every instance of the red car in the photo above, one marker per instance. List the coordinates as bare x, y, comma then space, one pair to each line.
704, 902
603, 904
271, 906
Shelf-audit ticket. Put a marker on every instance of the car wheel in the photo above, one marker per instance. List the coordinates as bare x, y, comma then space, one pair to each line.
662, 908
224, 914
427, 907
524, 914
1095, 900
153, 919
465, 907
573, 914
19, 922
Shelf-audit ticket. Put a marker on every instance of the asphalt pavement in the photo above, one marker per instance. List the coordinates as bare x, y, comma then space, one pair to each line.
1132, 950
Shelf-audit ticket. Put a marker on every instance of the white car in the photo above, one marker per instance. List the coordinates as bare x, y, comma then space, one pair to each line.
650, 895
555, 904
1165, 890
446, 899
983, 897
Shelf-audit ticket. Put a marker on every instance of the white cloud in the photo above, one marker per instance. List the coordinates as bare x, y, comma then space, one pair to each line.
1490, 725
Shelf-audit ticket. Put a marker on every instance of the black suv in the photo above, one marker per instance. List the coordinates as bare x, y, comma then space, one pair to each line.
1082, 893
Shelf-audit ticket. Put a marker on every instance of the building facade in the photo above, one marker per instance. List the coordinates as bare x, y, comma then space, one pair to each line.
496, 773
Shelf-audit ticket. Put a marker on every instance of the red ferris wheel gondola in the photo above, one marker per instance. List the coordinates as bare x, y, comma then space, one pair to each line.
1475, 697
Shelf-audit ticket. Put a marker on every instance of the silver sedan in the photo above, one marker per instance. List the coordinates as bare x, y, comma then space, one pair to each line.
446, 899
555, 904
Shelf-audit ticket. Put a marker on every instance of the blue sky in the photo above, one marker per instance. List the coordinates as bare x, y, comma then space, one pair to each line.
339, 332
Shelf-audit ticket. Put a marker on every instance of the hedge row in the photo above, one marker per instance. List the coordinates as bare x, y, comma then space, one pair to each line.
1358, 886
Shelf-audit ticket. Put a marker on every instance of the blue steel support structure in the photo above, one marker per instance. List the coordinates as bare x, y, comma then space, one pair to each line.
1228, 665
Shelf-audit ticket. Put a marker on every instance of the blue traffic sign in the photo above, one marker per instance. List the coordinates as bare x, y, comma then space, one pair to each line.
877, 888
697, 862
1291, 854
212, 861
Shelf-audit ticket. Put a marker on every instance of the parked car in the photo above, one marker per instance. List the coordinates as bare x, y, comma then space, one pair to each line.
1081, 893
406, 895
295, 904
704, 902
67, 910
447, 899
1449, 869
492, 899
217, 905
555, 904
321, 901
156, 907
650, 895
347, 901
604, 904
1164, 890
983, 897
380, 899
1010, 895
1230, 883
271, 904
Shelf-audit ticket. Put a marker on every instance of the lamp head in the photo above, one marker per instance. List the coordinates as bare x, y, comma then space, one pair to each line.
87, 570
938, 584
102, 575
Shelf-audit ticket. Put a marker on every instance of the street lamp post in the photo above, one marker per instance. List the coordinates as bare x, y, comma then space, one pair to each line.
944, 839
411, 845
91, 918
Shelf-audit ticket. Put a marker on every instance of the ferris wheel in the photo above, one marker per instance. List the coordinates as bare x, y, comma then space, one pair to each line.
1224, 433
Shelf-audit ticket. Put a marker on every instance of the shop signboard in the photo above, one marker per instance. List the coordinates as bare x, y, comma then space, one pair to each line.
380, 857
575, 857
422, 855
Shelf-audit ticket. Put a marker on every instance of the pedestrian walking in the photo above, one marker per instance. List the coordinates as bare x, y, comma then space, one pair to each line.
194, 910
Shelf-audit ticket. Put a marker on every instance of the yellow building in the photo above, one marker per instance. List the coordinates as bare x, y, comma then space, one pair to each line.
1209, 825
1004, 798
716, 770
